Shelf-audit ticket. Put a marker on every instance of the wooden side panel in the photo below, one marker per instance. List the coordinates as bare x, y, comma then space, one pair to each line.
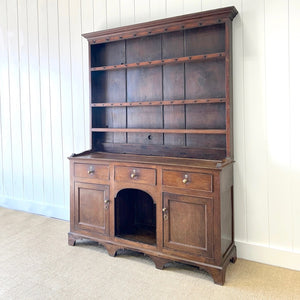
226, 199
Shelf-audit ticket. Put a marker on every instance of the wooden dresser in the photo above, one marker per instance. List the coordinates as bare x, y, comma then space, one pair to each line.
159, 177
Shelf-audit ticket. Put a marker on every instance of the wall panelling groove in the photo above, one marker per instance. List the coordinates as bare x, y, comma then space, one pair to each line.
294, 65
44, 108
7, 174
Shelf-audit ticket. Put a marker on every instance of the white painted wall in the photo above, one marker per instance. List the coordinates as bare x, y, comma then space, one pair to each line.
44, 114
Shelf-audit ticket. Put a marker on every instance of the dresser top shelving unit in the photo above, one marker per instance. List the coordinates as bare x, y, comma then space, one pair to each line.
163, 87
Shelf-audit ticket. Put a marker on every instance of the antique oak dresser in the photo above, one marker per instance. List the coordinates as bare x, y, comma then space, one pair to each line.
159, 176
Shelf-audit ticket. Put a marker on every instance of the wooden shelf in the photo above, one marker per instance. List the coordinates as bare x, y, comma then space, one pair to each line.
161, 103
162, 130
161, 62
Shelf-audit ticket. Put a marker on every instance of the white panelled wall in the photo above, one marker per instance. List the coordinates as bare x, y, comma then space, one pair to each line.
44, 108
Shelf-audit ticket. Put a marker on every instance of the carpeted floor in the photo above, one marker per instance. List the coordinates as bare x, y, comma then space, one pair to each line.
37, 263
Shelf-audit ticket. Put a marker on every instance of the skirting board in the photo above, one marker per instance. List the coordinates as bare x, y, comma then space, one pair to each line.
44, 209
267, 255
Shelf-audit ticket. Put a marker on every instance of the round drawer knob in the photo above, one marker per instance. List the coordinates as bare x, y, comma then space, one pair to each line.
91, 170
133, 175
185, 179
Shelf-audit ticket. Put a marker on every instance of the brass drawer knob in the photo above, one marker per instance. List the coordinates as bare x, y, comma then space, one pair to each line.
91, 170
185, 179
133, 175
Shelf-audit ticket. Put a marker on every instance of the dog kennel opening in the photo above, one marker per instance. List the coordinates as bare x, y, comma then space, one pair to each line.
135, 216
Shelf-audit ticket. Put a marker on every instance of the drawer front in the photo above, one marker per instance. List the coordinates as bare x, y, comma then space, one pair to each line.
135, 175
93, 171
190, 180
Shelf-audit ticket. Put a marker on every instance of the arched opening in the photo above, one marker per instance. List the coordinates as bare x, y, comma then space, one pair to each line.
135, 216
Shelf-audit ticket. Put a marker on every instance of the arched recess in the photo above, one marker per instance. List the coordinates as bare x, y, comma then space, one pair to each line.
135, 216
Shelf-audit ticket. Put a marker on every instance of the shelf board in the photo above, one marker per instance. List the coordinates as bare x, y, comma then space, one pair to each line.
162, 130
156, 150
161, 103
161, 62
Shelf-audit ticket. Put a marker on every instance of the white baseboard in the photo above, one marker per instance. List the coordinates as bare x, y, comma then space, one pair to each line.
44, 209
267, 255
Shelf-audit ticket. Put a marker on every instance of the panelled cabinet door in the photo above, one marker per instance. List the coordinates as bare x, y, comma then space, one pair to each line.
188, 223
92, 207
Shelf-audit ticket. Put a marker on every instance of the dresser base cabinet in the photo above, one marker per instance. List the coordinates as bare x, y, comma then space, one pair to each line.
171, 209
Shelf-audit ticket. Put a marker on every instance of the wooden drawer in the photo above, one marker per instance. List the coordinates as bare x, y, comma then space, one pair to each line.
190, 180
93, 171
135, 175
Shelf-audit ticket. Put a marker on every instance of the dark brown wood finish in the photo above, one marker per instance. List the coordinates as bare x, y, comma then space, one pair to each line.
188, 61
159, 177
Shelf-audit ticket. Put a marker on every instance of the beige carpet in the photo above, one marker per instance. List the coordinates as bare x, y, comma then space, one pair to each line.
37, 263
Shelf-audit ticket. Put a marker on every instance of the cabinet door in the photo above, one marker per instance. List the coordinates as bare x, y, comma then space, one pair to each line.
188, 223
92, 207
